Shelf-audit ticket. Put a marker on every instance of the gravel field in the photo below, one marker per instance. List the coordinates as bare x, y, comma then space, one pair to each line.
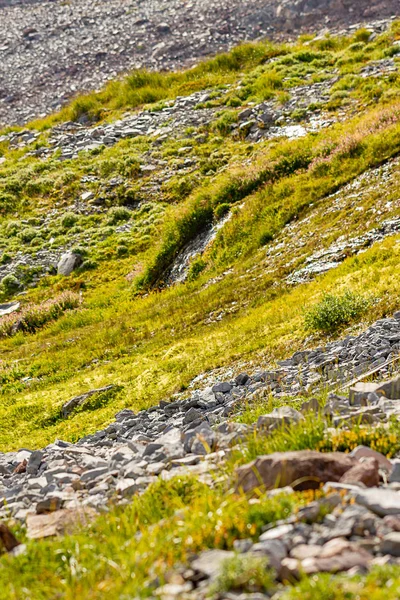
52, 49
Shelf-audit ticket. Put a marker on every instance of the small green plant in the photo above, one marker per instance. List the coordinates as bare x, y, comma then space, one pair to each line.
225, 122
196, 268
28, 234
245, 572
335, 311
221, 210
69, 220
122, 250
12, 228
10, 284
118, 214
5, 259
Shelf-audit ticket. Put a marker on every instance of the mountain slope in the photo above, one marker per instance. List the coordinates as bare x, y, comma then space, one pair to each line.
171, 247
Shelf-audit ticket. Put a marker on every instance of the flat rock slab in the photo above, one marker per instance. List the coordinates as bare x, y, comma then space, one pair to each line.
381, 501
6, 309
58, 523
304, 469
209, 563
77, 401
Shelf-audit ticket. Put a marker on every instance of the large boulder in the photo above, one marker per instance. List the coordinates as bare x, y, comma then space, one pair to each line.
68, 262
303, 469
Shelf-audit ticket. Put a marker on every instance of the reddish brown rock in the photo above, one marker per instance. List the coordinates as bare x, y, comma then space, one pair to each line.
366, 472
362, 452
21, 468
303, 469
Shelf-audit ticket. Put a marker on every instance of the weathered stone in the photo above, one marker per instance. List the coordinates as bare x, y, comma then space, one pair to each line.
304, 469
57, 523
390, 389
395, 474
242, 379
391, 544
10, 307
335, 556
303, 551
192, 415
276, 533
380, 501
209, 563
79, 401
366, 472
223, 387
127, 487
275, 550
279, 416
68, 262
361, 452
34, 462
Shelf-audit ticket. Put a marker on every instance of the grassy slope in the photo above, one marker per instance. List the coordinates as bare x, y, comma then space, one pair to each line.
153, 344
133, 550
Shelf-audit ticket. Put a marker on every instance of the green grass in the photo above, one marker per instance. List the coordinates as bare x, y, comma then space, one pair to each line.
380, 583
130, 552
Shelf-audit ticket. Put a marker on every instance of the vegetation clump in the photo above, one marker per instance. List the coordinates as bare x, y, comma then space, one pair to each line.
10, 284
33, 317
335, 311
245, 572
118, 214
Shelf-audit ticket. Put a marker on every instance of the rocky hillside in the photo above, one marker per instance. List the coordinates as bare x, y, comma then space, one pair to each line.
200, 330
51, 49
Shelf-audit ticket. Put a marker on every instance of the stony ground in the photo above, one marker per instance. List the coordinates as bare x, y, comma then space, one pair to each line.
354, 527
49, 51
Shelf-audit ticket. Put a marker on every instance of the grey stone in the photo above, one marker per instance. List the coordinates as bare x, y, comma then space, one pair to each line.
68, 263
126, 487
242, 379
192, 415
223, 387
275, 550
93, 474
380, 501
34, 462
391, 544
209, 563
395, 474
280, 416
